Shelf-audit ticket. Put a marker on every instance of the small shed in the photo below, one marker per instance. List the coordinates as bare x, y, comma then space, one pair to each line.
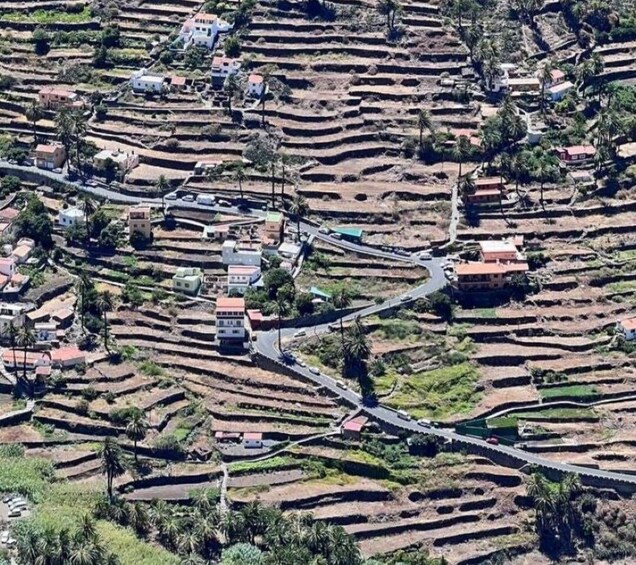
353, 428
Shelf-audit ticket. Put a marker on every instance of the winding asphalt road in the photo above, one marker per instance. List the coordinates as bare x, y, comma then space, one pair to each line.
266, 343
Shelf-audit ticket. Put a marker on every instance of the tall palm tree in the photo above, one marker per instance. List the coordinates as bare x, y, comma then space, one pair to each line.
545, 78
64, 129
272, 169
230, 87
11, 334
112, 459
105, 302
34, 114
281, 307
188, 543
284, 161
341, 300
460, 151
239, 177
25, 338
136, 429
90, 207
424, 122
299, 208
80, 127
83, 286
162, 187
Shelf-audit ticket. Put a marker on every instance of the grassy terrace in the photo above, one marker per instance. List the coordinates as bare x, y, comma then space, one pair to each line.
556, 414
48, 16
439, 394
575, 391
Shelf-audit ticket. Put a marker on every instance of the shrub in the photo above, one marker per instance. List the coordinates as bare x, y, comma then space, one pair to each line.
232, 46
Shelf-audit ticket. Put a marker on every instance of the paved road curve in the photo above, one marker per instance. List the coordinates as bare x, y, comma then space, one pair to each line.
266, 344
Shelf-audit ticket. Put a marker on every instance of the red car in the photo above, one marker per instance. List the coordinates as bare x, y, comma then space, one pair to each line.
493, 441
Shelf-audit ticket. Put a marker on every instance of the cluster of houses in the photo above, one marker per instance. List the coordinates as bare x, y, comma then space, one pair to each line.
498, 262
512, 81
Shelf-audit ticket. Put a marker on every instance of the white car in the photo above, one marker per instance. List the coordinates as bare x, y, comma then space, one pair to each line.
314, 370
406, 297
14, 514
425, 255
300, 333
224, 203
4, 538
323, 230
336, 236
424, 422
403, 415
341, 384
205, 200
171, 196
188, 198
301, 363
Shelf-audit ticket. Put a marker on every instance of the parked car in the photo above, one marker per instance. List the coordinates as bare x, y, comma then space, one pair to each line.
341, 384
188, 198
425, 255
205, 199
224, 203
314, 370
336, 236
300, 333
171, 196
492, 441
324, 230
424, 422
253, 444
14, 514
406, 298
403, 415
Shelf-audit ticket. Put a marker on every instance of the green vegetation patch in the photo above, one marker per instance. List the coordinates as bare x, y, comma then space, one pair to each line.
28, 476
273, 464
439, 394
577, 391
130, 549
49, 16
560, 414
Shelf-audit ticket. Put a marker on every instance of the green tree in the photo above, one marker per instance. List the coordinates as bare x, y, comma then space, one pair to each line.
230, 87
460, 152
242, 554
136, 429
105, 302
232, 47
112, 463
240, 177
299, 209
545, 78
26, 339
34, 113
341, 299
41, 41
390, 9
424, 122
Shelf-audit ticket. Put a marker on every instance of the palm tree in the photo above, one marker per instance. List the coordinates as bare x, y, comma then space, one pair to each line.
544, 171
466, 186
11, 333
64, 130
113, 465
136, 429
25, 338
84, 554
139, 518
281, 307
272, 169
284, 160
239, 177
356, 351
424, 122
545, 78
90, 207
299, 208
162, 187
105, 301
34, 114
230, 87
80, 127
83, 286
461, 150
341, 300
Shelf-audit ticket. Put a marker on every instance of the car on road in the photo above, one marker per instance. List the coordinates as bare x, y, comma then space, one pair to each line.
425, 255
406, 298
188, 198
341, 384
300, 333
205, 200
423, 422
14, 514
332, 327
301, 363
323, 230
492, 441
171, 196
314, 370
336, 236
403, 414
91, 183
224, 203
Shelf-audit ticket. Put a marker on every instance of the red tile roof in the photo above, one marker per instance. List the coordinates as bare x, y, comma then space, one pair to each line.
65, 354
225, 303
255, 79
256, 436
465, 269
629, 323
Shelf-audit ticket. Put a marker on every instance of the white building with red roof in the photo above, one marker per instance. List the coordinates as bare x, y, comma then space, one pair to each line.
627, 328
202, 29
230, 320
222, 67
255, 85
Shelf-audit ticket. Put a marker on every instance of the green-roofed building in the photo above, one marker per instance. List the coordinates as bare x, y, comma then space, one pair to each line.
315, 291
352, 234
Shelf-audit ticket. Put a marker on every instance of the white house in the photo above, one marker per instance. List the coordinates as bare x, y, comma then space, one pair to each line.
70, 216
202, 29
143, 81
222, 67
7, 267
123, 161
234, 253
230, 320
240, 278
255, 86
10, 313
627, 328
559, 91
45, 331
